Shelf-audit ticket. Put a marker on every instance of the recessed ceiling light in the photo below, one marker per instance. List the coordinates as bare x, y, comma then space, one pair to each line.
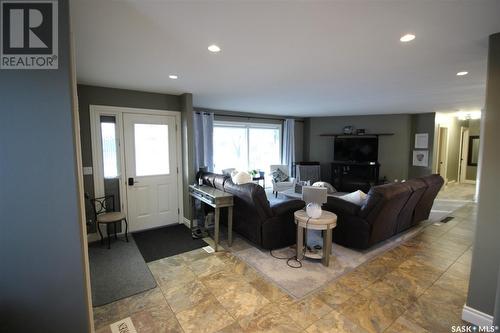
214, 48
173, 77
462, 73
407, 38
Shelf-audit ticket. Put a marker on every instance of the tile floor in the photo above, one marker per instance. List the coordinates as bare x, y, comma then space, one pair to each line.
419, 286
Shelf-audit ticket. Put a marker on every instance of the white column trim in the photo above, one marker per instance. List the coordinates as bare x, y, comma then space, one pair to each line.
476, 317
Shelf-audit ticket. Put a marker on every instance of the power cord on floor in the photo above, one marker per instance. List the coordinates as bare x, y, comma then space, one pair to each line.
294, 258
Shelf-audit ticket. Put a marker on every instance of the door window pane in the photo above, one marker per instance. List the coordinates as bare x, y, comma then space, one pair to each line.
151, 149
109, 150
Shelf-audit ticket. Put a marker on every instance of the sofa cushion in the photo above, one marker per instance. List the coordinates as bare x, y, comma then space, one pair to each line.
357, 197
330, 189
241, 177
250, 197
405, 218
422, 210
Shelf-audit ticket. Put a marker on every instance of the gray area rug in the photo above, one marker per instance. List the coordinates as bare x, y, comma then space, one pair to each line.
298, 283
118, 272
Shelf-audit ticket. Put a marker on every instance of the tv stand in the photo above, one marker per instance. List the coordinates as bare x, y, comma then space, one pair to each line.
349, 176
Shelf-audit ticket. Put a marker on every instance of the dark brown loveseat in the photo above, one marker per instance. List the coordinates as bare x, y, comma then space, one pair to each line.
387, 210
269, 226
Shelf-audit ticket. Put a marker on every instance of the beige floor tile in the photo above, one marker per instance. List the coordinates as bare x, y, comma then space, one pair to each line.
335, 322
445, 297
156, 320
242, 301
269, 319
402, 325
268, 289
335, 293
307, 311
357, 279
220, 282
186, 295
233, 328
206, 266
123, 308
209, 316
383, 288
372, 314
433, 316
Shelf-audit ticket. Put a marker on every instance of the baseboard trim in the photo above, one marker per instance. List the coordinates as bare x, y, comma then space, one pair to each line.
186, 222
476, 317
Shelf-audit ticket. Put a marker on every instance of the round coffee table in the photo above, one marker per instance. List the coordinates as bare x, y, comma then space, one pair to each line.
327, 221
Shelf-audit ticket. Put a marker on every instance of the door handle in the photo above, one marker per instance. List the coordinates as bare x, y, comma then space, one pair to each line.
131, 181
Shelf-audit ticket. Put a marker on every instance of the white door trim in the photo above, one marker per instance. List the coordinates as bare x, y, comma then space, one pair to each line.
438, 159
464, 156
95, 112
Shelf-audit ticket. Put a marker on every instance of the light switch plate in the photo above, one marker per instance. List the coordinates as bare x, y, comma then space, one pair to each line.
87, 171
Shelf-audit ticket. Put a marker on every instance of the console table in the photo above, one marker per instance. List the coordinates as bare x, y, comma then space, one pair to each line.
217, 199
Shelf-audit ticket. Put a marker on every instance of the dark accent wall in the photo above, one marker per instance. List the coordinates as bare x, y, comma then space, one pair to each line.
486, 249
422, 123
92, 95
42, 283
393, 150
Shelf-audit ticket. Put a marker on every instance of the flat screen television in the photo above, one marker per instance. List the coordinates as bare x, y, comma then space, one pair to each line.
356, 149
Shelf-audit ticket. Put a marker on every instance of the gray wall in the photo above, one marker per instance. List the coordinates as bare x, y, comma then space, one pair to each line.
486, 252
91, 95
422, 123
393, 150
42, 286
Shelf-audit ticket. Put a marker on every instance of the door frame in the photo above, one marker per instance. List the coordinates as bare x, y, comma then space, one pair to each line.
97, 163
464, 154
439, 134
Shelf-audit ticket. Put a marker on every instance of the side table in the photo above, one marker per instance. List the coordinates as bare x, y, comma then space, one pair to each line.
327, 221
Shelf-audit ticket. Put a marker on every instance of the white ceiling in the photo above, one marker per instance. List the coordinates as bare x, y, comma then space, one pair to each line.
303, 58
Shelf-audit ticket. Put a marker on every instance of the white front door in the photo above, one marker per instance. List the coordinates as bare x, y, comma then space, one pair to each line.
151, 170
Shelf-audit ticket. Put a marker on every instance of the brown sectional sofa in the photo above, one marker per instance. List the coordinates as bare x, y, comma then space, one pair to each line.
388, 209
269, 226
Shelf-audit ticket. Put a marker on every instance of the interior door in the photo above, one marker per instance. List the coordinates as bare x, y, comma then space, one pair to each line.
151, 170
443, 152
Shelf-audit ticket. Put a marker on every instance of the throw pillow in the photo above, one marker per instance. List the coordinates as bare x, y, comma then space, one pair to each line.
329, 188
357, 197
279, 176
241, 177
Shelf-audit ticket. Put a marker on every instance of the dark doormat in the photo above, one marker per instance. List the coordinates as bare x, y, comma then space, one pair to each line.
166, 242
118, 272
